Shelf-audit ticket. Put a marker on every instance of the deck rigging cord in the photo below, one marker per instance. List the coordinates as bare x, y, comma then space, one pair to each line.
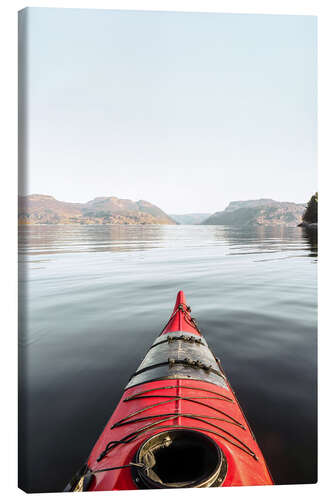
124, 421
180, 387
107, 469
187, 317
185, 362
133, 435
184, 338
176, 398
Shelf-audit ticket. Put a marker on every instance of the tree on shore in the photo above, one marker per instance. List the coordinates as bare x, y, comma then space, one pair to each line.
311, 212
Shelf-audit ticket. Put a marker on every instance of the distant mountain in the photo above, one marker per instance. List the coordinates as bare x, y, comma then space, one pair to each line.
263, 212
44, 209
189, 218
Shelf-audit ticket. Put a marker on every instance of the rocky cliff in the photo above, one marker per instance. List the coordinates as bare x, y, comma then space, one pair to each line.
44, 209
263, 212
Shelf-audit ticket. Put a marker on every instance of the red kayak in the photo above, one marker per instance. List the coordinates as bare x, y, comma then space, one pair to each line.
178, 424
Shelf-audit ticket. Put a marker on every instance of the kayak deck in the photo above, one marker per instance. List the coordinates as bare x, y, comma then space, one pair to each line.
181, 396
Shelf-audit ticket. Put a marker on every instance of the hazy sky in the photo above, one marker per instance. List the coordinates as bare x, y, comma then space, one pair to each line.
187, 111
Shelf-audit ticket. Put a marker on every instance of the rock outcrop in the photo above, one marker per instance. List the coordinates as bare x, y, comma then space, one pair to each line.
263, 212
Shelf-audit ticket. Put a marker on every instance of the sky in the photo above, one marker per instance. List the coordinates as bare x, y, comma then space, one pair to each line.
188, 111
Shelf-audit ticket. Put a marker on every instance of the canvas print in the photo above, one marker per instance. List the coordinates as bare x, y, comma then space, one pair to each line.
167, 220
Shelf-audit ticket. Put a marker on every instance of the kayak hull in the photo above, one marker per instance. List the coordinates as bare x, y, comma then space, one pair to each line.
179, 389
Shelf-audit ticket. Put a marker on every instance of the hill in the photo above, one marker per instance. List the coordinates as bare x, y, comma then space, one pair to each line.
44, 209
262, 212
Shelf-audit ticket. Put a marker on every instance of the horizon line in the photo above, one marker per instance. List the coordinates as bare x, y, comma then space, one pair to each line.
167, 212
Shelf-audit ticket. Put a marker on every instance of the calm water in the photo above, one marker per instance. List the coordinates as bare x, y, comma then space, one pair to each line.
93, 298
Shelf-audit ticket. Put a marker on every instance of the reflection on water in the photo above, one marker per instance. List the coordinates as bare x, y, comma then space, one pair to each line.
50, 239
312, 237
72, 238
93, 298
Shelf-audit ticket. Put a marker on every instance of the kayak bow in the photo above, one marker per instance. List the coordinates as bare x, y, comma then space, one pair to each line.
178, 424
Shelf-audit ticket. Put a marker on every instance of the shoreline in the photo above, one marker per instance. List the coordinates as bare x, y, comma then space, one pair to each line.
313, 226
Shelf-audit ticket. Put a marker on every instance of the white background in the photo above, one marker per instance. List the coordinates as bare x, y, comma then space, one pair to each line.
8, 112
